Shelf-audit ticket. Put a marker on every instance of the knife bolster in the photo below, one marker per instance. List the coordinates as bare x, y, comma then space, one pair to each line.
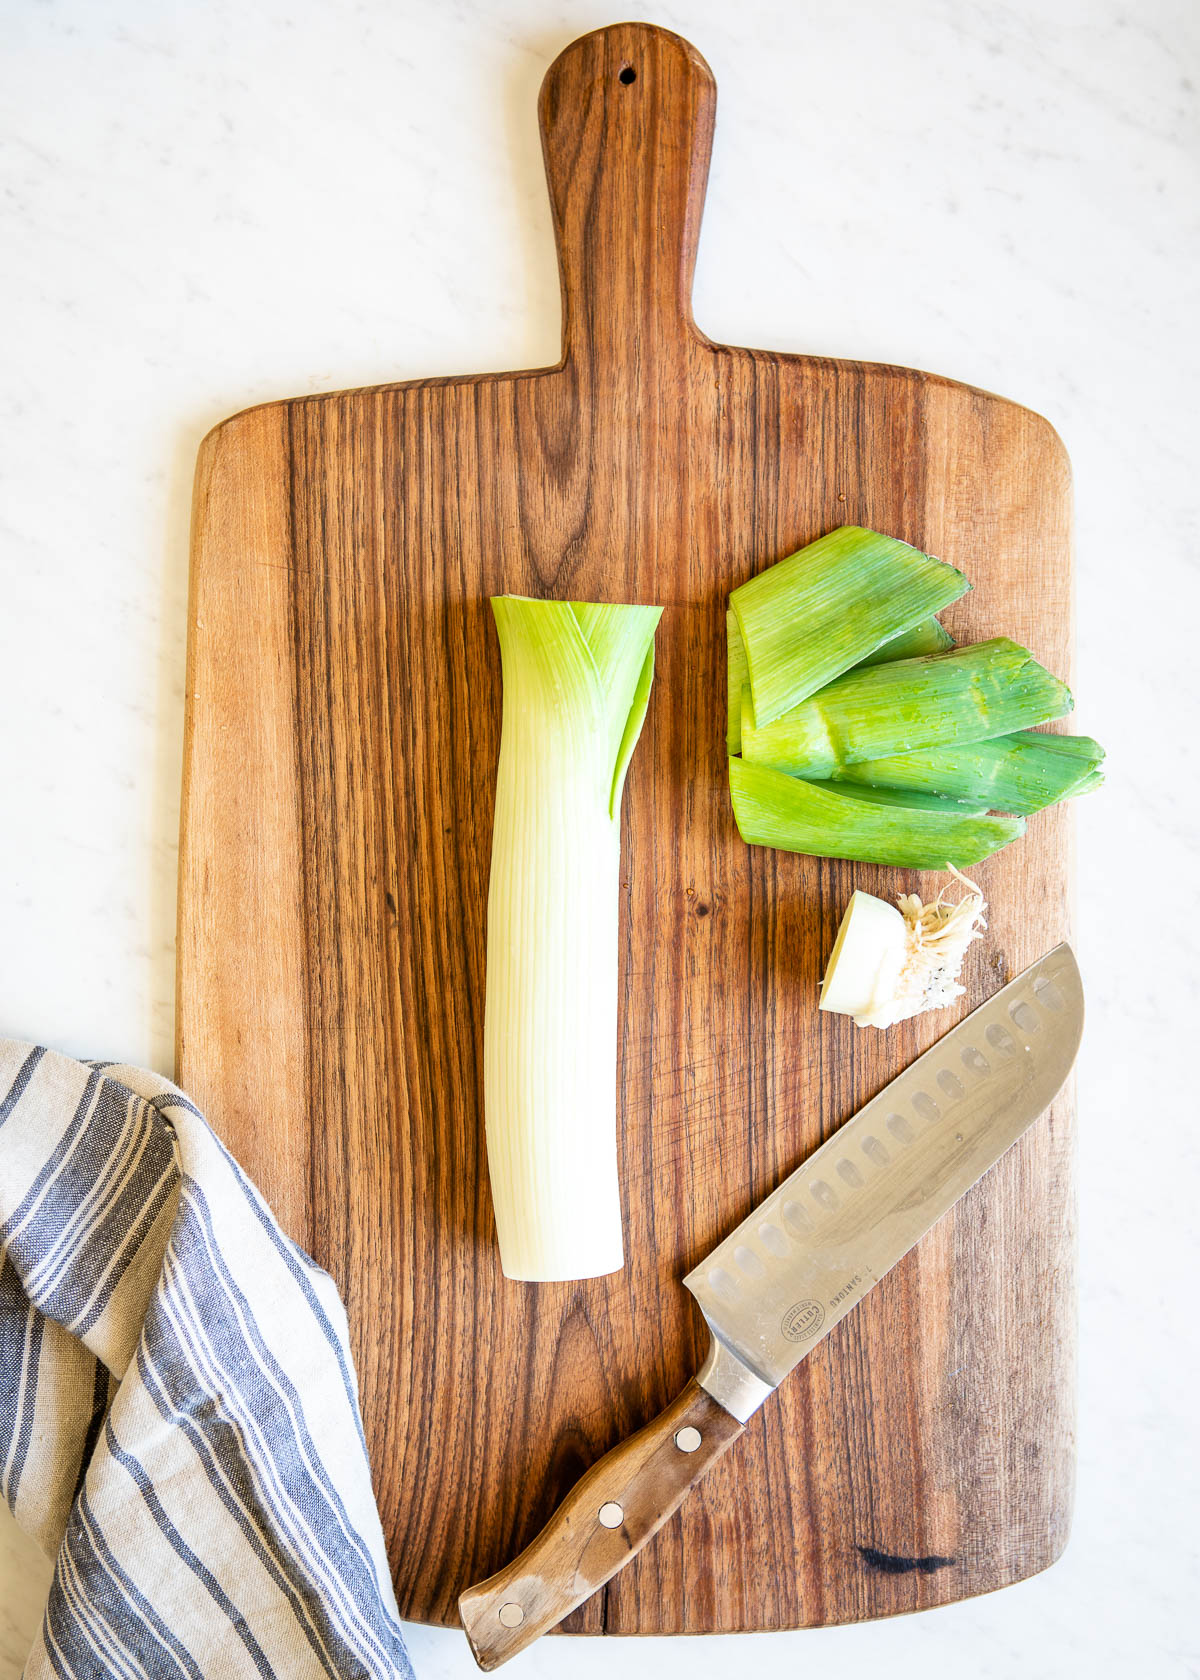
607, 1517
732, 1384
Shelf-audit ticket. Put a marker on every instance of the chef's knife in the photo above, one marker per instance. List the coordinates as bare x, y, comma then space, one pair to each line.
790, 1271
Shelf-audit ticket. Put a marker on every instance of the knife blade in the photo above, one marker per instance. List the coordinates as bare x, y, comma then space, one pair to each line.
778, 1284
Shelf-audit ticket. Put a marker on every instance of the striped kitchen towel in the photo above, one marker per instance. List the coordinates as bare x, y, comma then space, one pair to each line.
179, 1421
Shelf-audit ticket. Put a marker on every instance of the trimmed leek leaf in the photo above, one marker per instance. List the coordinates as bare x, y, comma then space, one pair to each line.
738, 676
1021, 773
927, 637
812, 616
970, 694
576, 686
774, 809
910, 797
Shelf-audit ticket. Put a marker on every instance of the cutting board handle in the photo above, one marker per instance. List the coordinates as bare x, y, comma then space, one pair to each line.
627, 121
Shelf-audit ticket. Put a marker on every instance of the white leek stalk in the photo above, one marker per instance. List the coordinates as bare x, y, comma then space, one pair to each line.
889, 964
576, 686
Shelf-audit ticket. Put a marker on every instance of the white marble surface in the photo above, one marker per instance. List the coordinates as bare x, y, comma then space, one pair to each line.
206, 206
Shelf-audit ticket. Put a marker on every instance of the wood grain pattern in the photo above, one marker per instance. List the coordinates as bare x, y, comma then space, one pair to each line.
343, 726
614, 1509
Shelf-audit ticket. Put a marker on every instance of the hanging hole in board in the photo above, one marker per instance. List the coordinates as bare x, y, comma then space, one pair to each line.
628, 75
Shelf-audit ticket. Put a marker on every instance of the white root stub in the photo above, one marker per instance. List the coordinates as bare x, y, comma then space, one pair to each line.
889, 964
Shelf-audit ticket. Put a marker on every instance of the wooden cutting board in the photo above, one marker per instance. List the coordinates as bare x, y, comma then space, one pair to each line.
342, 733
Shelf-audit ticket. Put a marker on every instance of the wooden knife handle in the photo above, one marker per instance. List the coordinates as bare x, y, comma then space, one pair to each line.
606, 1518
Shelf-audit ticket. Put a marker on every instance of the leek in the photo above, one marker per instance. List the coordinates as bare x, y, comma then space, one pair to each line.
927, 637
888, 964
576, 685
738, 676
970, 694
774, 809
1021, 773
812, 616
910, 798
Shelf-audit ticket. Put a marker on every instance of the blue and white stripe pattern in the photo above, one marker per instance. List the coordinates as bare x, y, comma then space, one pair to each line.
179, 1419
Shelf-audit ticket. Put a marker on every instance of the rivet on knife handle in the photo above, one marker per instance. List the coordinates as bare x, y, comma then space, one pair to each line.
607, 1517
